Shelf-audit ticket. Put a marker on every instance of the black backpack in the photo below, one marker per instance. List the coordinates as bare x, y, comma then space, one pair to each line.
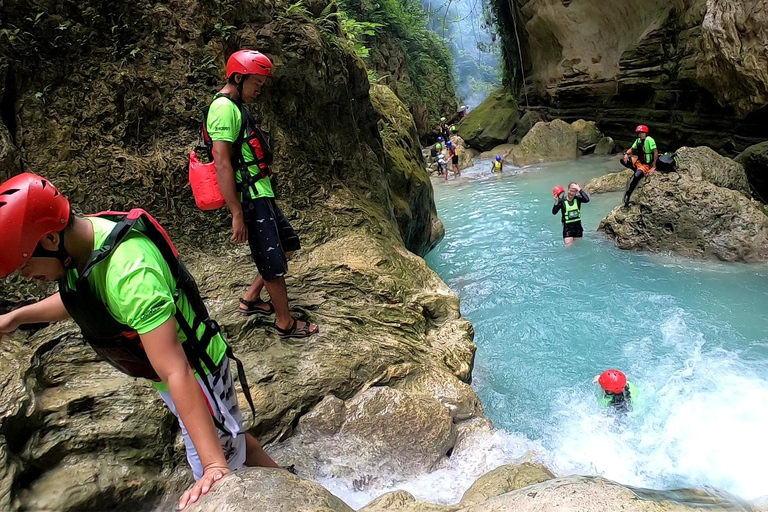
667, 162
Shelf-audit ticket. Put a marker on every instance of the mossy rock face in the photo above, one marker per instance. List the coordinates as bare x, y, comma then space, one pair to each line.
611, 182
491, 123
413, 196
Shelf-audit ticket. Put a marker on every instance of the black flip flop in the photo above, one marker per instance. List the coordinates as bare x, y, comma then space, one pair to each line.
253, 310
294, 332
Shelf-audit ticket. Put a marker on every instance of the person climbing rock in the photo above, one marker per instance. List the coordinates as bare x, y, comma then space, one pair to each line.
643, 162
616, 391
444, 129
462, 113
454, 154
120, 279
498, 164
242, 155
570, 206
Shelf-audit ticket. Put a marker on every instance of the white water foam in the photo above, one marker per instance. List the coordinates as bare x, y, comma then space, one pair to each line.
700, 420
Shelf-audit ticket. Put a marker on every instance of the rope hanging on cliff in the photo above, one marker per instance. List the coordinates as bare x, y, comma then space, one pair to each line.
519, 51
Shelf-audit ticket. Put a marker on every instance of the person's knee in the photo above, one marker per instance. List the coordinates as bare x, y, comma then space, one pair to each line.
628, 164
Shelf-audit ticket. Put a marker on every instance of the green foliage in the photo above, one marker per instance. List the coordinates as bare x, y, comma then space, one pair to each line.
427, 58
224, 30
357, 32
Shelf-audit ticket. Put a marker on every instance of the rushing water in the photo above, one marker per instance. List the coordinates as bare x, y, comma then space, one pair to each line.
693, 337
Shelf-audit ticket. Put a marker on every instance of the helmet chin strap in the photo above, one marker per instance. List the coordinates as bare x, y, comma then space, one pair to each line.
60, 253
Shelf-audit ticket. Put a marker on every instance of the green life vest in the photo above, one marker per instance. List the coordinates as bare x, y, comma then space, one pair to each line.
644, 149
572, 211
630, 395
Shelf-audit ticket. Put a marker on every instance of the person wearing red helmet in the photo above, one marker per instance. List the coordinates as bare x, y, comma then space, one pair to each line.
242, 156
641, 158
570, 205
615, 390
121, 281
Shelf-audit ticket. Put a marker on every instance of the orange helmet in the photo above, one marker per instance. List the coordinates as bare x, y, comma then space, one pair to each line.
249, 62
30, 209
612, 381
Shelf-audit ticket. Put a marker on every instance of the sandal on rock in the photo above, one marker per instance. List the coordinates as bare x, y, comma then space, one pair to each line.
294, 332
251, 308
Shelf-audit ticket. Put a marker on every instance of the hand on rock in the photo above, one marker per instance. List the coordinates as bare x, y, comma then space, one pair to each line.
653, 170
211, 475
8, 324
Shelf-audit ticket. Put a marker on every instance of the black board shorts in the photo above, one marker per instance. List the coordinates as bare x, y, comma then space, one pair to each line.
270, 237
455, 159
573, 230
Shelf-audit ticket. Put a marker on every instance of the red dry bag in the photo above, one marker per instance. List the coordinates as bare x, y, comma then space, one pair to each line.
205, 185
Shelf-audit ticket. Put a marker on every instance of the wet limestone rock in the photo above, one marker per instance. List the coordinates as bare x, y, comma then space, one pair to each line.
587, 133
605, 146
505, 479
465, 155
378, 434
505, 150
596, 494
755, 162
402, 501
407, 178
267, 489
491, 122
547, 142
701, 210
611, 182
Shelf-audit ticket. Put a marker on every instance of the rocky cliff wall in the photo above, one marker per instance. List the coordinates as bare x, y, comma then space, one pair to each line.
693, 70
102, 97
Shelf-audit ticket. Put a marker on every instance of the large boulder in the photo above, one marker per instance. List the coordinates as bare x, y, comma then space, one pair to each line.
491, 122
382, 433
611, 182
587, 134
755, 162
547, 142
402, 501
605, 146
505, 150
505, 479
596, 494
267, 489
701, 210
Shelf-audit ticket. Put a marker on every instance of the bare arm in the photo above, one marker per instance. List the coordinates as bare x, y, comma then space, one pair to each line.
49, 310
167, 356
655, 157
225, 175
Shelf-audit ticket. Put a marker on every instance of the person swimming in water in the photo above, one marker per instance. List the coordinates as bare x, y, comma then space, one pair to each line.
616, 391
498, 164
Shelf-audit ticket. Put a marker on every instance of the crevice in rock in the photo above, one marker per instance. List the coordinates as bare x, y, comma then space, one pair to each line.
8, 103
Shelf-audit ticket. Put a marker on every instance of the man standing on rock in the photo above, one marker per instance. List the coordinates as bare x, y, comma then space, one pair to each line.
643, 163
243, 155
570, 205
120, 279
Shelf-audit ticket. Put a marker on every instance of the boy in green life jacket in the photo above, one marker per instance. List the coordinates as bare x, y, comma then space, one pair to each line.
242, 155
570, 205
616, 391
641, 158
120, 279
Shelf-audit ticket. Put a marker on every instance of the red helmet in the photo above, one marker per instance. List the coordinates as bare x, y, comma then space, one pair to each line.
30, 208
557, 190
641, 129
612, 381
249, 62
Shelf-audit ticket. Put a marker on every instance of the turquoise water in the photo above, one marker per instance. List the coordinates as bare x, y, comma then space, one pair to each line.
692, 335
